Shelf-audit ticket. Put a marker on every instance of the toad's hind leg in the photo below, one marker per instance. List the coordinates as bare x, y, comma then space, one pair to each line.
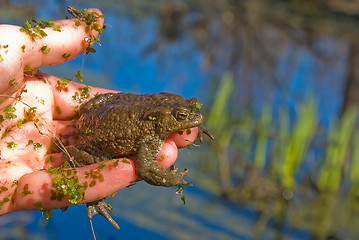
101, 207
81, 158
147, 167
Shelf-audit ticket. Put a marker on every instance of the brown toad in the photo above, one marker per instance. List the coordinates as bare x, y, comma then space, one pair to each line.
115, 125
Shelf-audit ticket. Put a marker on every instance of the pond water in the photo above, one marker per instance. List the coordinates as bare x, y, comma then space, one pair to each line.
132, 57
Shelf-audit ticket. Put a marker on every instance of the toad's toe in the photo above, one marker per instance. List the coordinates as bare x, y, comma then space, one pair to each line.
102, 208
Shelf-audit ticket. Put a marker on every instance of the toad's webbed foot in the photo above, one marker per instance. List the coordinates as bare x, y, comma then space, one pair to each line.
101, 207
159, 176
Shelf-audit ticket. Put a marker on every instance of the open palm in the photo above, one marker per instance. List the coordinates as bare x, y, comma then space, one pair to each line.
36, 108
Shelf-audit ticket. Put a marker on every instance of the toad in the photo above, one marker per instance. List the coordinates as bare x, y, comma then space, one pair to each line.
116, 125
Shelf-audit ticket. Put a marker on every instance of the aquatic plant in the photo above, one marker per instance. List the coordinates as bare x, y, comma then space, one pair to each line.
279, 147
339, 138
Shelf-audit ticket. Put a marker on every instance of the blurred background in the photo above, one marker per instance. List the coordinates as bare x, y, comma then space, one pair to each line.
279, 80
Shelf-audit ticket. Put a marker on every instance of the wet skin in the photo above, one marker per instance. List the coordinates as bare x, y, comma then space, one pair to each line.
116, 125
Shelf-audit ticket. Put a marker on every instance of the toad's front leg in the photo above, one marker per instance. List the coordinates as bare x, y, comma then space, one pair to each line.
147, 167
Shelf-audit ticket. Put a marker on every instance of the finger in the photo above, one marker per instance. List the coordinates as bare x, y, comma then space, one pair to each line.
62, 46
68, 39
68, 96
24, 51
186, 138
36, 188
39, 185
168, 154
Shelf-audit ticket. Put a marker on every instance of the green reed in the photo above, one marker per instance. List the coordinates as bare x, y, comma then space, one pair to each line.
220, 120
354, 170
296, 144
279, 147
339, 137
262, 137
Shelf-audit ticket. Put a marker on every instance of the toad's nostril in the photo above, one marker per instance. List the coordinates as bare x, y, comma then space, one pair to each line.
196, 116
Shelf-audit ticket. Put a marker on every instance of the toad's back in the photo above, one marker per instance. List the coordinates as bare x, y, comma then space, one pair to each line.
112, 124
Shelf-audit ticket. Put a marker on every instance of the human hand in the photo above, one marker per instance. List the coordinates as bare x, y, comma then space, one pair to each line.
40, 109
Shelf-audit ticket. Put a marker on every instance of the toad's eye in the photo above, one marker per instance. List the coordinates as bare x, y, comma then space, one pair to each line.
181, 115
